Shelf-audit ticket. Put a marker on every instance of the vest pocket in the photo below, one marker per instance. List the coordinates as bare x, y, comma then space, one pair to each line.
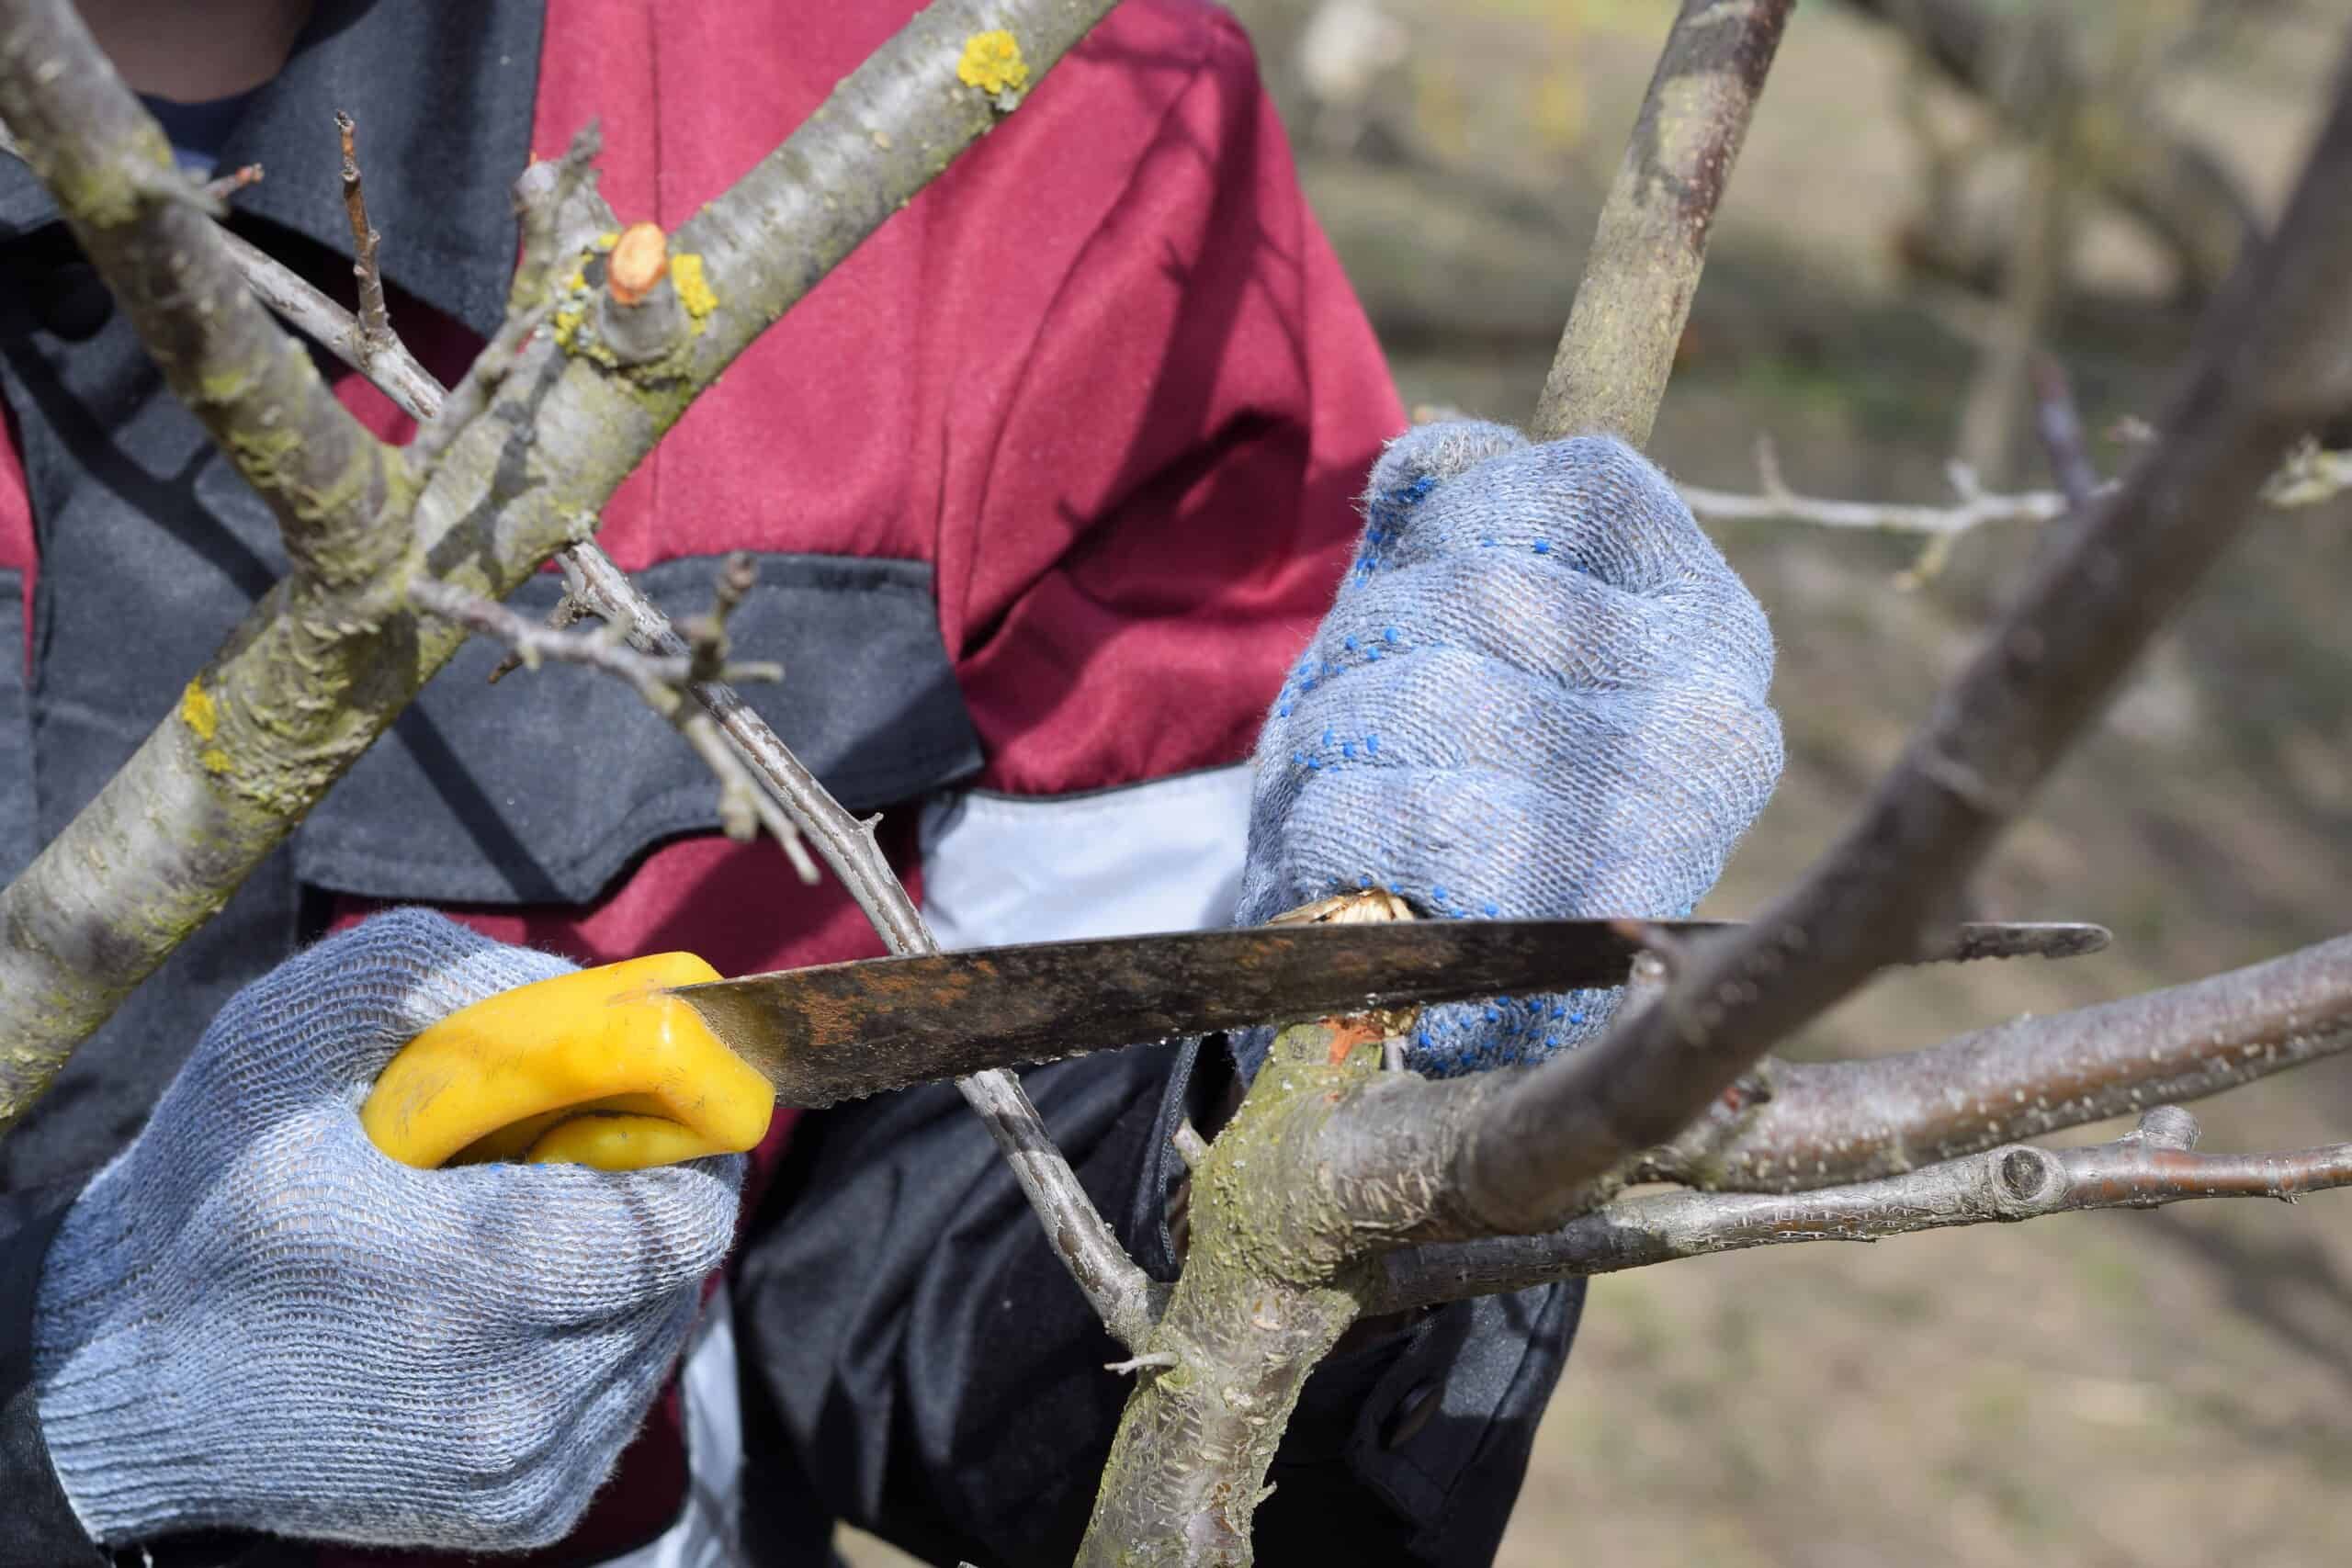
545, 787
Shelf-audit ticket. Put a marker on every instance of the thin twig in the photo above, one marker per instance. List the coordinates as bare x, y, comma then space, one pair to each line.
375, 322
535, 643
2143, 1170
395, 372
1776, 502
660, 679
2309, 475
1119, 1292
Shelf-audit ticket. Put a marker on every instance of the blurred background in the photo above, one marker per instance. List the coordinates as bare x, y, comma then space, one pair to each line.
1931, 189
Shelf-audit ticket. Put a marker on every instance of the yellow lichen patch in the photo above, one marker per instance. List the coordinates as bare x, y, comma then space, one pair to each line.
693, 288
992, 62
214, 759
608, 239
198, 712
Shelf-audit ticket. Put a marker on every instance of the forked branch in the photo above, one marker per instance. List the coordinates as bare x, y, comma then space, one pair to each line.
2270, 363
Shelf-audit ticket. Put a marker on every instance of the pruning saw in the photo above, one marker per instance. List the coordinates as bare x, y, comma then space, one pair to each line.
659, 1059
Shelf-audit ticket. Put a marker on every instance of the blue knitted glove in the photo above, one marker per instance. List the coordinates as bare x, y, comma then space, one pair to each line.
1541, 693
253, 1319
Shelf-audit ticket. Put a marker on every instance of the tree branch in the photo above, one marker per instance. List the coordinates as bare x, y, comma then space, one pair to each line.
391, 366
1776, 502
1519, 1150
256, 740
1804, 1124
660, 680
332, 488
1651, 243
2310, 475
2146, 1170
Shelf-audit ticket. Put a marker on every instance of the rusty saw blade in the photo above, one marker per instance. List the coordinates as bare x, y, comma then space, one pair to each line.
840, 1030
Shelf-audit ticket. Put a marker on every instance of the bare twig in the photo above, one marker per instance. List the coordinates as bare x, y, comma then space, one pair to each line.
1519, 1150
1644, 265
375, 322
1812, 1124
220, 187
1121, 1292
393, 369
535, 643
1776, 501
2310, 475
2144, 1170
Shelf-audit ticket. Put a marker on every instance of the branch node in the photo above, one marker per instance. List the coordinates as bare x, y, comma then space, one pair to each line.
2166, 1127
1150, 1360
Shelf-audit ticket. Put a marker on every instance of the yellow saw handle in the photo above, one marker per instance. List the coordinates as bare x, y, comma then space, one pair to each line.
599, 1067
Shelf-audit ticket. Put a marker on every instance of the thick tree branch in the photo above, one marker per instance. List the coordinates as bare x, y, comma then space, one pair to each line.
1644, 265
1519, 1151
2146, 1170
259, 738
333, 488
1804, 1124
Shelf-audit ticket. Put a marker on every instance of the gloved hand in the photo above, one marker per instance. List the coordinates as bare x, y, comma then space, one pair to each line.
1541, 693
253, 1319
